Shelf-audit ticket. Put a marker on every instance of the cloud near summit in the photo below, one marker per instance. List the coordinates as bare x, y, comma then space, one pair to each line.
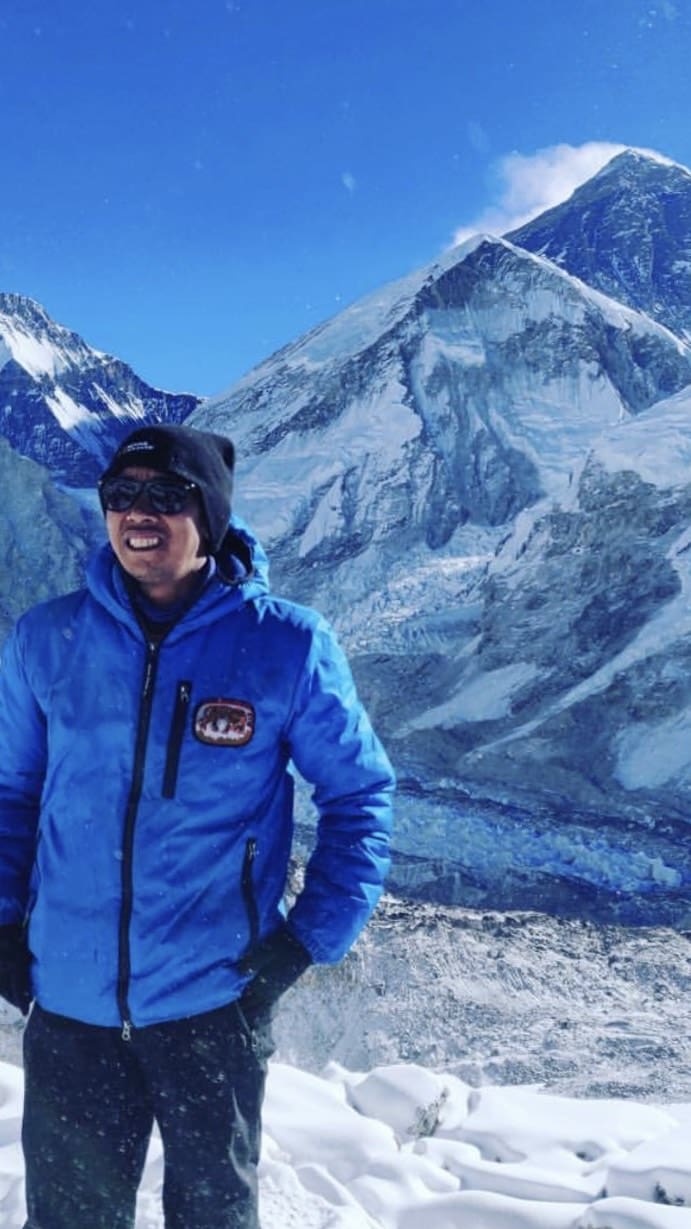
527, 184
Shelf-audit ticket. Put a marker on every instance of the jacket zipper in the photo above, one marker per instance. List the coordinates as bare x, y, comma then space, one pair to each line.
177, 730
124, 966
248, 890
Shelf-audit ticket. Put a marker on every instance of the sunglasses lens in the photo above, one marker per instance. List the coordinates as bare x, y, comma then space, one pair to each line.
118, 494
169, 498
165, 496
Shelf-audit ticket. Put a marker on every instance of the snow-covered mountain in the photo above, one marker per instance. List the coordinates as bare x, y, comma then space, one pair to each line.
64, 404
479, 474
459, 395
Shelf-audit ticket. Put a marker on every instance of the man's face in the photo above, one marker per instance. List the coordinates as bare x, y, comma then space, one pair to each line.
163, 553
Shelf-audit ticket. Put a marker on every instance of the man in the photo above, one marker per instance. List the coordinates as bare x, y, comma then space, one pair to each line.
147, 724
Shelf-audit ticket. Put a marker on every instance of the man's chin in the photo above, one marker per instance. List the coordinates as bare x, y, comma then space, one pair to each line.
144, 568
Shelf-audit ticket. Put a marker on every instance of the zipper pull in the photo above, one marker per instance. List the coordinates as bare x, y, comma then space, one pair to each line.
152, 653
126, 1033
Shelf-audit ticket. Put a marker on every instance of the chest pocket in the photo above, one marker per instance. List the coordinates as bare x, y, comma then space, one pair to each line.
217, 723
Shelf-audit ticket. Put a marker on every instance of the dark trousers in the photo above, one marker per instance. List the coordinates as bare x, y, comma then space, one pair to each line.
91, 1100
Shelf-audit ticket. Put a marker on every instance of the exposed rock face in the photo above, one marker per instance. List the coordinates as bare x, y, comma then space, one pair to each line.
44, 537
64, 404
518, 998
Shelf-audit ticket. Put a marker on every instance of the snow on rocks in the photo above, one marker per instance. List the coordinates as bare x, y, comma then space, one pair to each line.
513, 1124
657, 1170
413, 1101
626, 1213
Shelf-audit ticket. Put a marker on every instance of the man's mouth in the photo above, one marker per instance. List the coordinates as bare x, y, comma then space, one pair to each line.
143, 541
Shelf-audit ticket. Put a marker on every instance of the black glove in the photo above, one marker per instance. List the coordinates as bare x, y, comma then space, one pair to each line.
274, 964
15, 966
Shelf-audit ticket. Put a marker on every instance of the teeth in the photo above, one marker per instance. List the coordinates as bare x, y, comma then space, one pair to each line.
142, 543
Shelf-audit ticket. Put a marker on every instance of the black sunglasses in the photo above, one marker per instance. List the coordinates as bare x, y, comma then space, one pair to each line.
169, 496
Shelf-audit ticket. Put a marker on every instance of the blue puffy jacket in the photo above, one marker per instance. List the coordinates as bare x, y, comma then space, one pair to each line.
146, 800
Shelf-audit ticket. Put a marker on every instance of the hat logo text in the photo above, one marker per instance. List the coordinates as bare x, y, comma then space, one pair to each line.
139, 446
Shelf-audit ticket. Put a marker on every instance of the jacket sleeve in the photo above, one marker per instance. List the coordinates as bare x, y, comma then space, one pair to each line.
22, 770
334, 747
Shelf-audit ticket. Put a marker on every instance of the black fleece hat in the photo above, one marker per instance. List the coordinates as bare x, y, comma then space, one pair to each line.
200, 457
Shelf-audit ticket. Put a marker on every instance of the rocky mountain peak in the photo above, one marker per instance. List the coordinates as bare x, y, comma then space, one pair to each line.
21, 307
627, 232
637, 167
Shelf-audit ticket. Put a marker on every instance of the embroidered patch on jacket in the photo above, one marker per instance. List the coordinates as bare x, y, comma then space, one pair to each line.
224, 723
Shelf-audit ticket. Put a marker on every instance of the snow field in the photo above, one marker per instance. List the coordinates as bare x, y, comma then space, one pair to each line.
406, 1148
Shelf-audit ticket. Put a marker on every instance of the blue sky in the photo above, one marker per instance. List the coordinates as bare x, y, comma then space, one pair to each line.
191, 185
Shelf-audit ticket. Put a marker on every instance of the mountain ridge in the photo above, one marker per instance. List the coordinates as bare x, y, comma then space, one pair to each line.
64, 404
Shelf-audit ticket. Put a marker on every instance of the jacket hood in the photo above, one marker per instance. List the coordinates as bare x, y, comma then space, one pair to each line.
241, 556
